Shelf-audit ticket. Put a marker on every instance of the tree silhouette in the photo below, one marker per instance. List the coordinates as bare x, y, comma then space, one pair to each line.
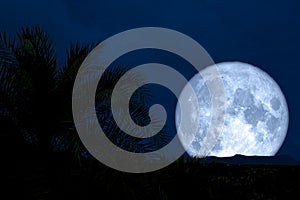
28, 79
36, 94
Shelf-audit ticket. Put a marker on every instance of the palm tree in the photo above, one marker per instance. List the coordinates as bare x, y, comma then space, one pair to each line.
28, 80
36, 93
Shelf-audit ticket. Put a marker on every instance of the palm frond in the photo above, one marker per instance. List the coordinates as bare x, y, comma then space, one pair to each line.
36, 42
76, 53
8, 71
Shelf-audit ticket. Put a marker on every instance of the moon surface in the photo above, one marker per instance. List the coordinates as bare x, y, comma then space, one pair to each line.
256, 119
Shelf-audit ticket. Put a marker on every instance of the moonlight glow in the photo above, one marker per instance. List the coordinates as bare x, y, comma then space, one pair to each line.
256, 119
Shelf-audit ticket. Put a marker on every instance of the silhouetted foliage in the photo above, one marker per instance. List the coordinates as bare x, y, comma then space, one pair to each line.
37, 94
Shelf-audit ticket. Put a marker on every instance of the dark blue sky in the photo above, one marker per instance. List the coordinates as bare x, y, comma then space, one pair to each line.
264, 33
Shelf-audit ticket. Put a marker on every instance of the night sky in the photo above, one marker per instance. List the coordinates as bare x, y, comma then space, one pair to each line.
263, 33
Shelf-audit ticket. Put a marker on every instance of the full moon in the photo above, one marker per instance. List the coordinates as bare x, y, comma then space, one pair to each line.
256, 119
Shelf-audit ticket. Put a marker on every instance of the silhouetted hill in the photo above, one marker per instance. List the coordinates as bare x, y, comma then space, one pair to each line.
241, 159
